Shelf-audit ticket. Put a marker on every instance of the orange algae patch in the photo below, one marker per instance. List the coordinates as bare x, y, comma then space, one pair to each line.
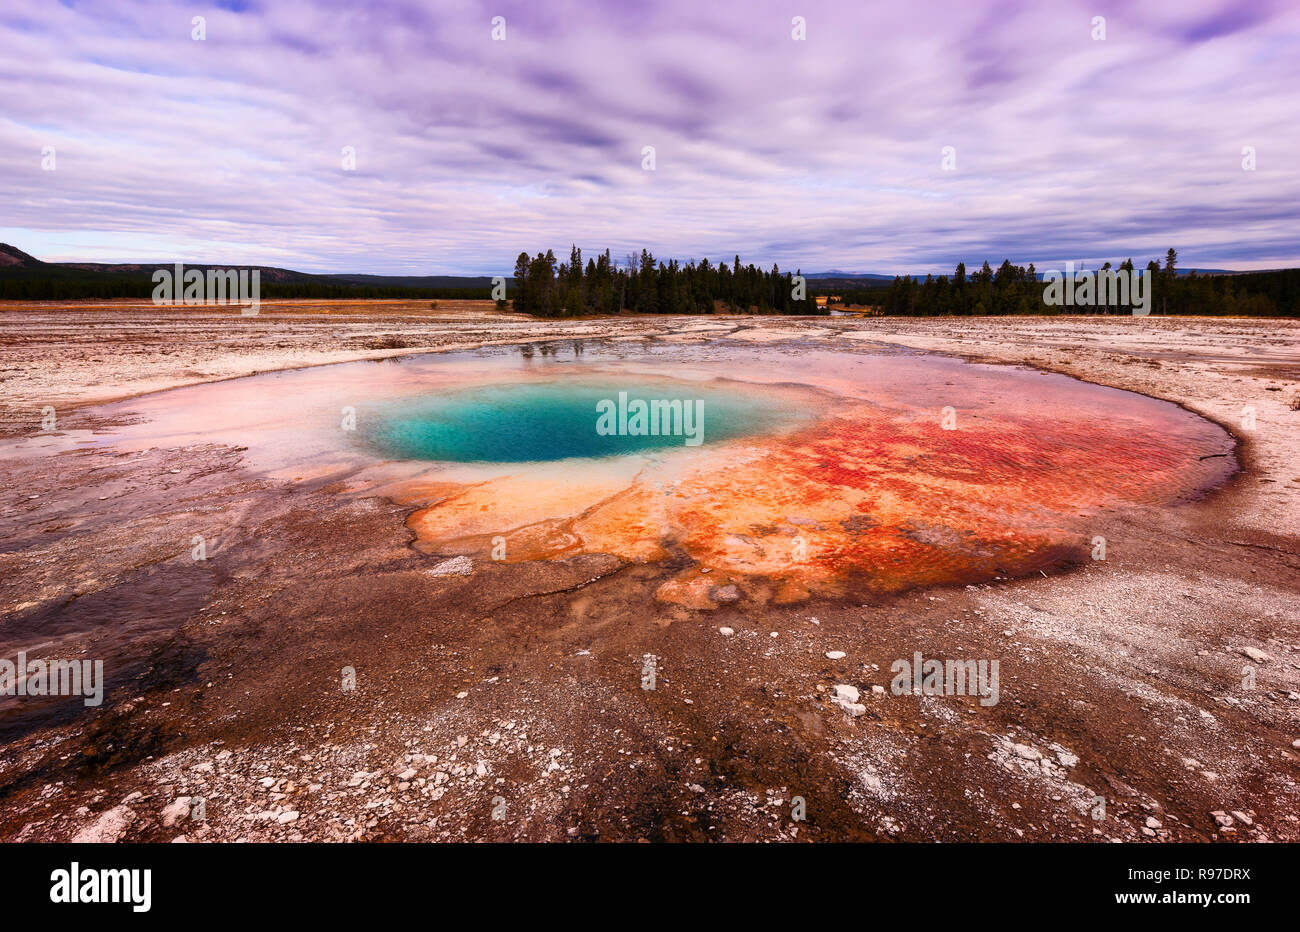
864, 501
534, 512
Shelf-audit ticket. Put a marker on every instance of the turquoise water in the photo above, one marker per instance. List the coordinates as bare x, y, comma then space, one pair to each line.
535, 422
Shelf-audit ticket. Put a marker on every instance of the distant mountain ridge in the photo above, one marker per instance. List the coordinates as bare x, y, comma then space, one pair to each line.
836, 273
24, 277
13, 261
12, 257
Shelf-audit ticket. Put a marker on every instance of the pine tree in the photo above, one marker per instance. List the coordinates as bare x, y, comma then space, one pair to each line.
521, 301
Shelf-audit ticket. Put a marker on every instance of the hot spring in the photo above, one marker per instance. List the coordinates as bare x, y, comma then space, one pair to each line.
820, 467
545, 421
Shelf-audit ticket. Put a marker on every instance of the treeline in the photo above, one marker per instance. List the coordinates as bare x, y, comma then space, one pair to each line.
69, 289
1016, 290
644, 285
1249, 294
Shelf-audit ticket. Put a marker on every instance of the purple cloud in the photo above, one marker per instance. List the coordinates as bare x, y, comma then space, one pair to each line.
822, 153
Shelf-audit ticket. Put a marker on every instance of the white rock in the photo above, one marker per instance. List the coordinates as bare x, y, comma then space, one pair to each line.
456, 566
285, 818
407, 775
726, 632
835, 655
1025, 752
846, 697
1256, 654
176, 810
109, 827
871, 780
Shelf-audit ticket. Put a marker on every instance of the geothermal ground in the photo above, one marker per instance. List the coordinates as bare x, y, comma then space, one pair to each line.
1153, 695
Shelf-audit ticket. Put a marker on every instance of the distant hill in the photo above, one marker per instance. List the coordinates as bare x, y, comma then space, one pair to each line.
416, 281
23, 276
146, 269
12, 257
836, 273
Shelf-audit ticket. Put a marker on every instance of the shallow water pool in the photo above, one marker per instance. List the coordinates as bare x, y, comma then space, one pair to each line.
569, 418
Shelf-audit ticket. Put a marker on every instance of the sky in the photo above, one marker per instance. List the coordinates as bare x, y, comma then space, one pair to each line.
815, 153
